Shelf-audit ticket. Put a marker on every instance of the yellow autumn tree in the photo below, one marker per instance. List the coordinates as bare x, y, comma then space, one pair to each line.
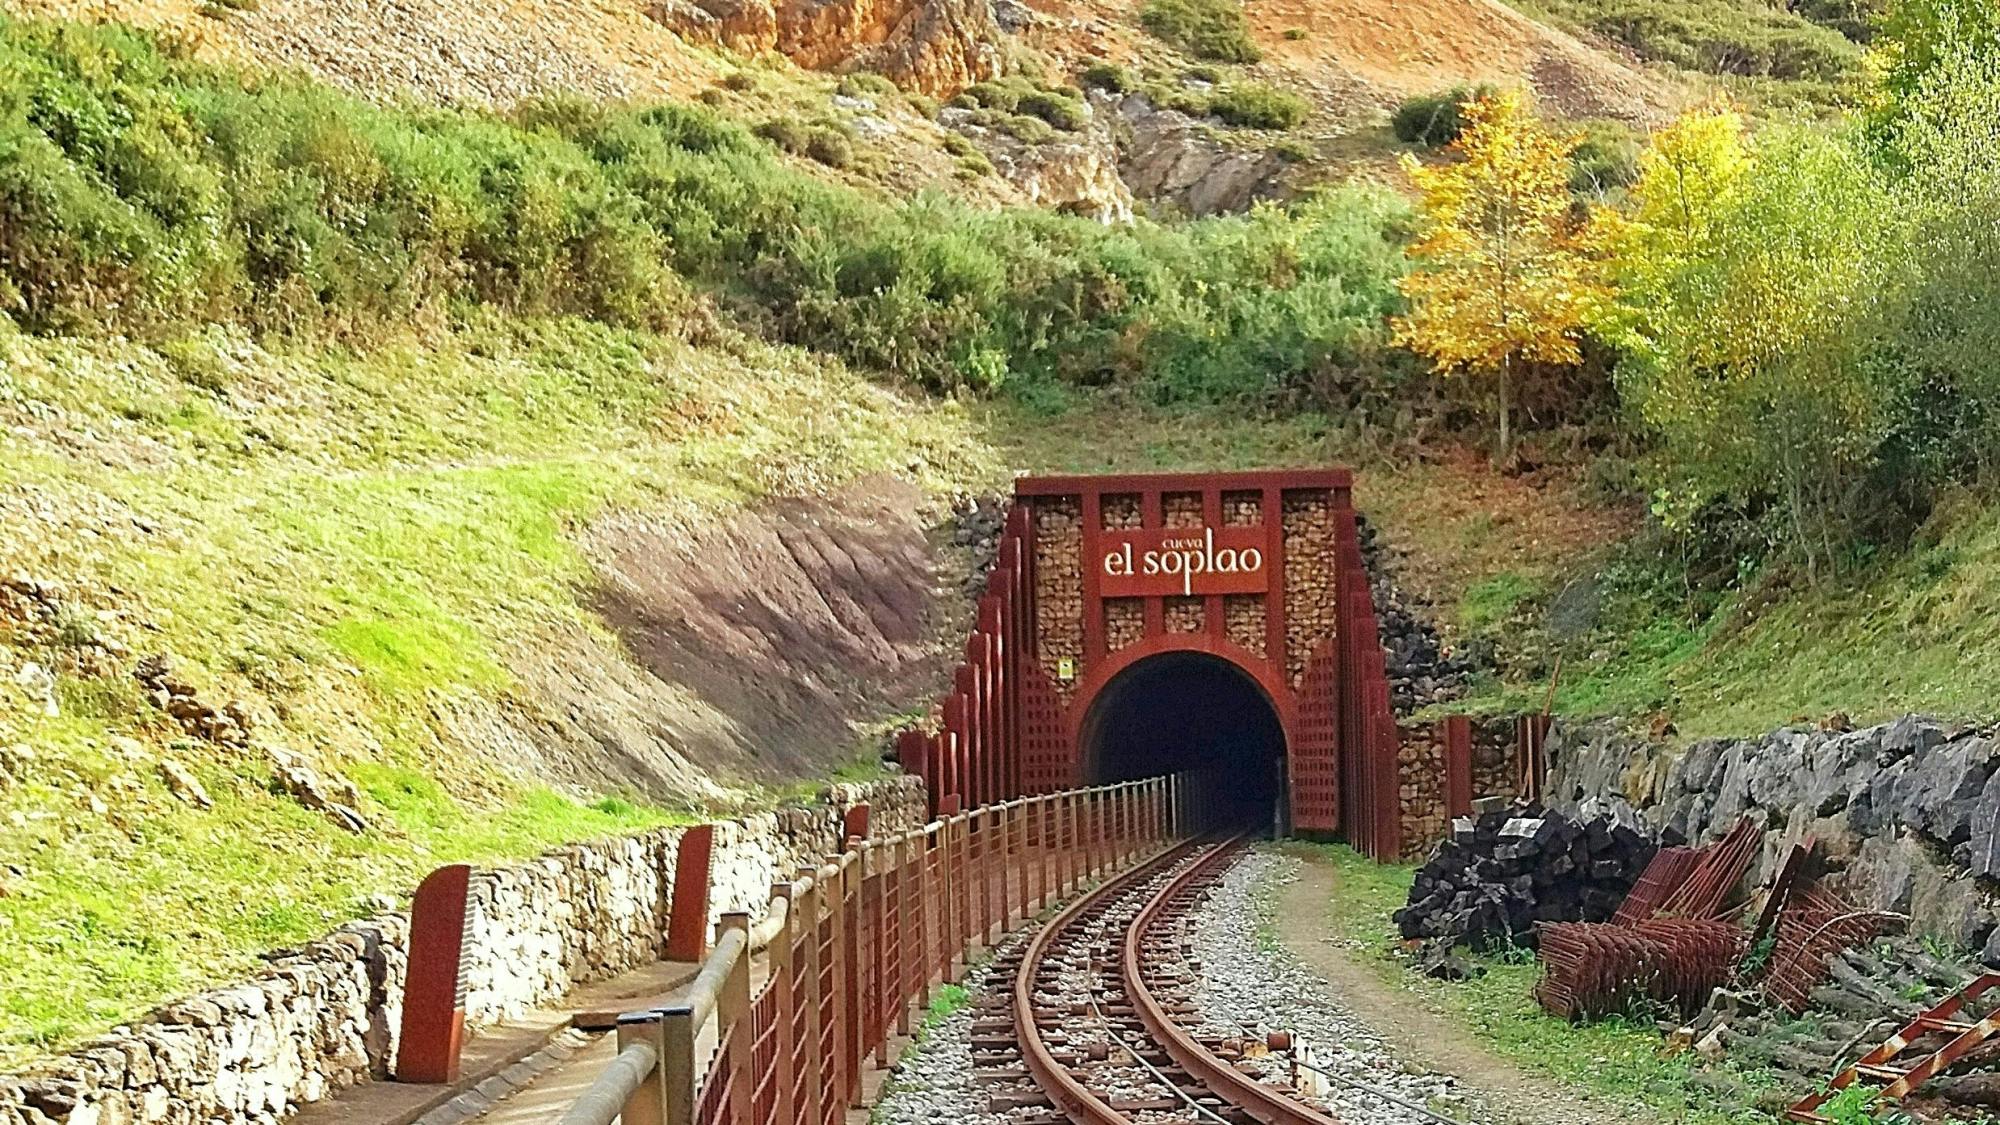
1507, 272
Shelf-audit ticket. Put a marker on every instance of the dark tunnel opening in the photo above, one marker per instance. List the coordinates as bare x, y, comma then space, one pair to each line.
1191, 711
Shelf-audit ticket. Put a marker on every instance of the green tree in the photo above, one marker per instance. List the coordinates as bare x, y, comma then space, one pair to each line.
1755, 284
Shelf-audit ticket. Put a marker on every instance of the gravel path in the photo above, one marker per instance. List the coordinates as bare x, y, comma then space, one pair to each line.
933, 1082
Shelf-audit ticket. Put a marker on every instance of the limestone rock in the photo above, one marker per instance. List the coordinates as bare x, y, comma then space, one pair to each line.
183, 784
1170, 159
1075, 172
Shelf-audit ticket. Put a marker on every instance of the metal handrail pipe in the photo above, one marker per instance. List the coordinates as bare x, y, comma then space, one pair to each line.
605, 1099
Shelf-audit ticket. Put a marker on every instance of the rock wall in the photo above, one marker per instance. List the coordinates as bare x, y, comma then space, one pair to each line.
322, 1018
938, 47
1907, 813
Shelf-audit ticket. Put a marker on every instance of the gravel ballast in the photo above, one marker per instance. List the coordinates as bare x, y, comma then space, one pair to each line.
1248, 985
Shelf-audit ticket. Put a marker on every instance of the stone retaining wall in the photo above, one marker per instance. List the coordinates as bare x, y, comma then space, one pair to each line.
1908, 812
324, 1017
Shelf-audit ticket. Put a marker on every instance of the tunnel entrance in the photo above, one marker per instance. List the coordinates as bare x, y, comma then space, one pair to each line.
1191, 711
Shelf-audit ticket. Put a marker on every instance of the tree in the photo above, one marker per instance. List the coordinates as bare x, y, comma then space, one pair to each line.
1754, 289
1507, 270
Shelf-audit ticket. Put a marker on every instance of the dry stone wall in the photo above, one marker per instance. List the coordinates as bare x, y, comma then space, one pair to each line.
323, 1017
1908, 812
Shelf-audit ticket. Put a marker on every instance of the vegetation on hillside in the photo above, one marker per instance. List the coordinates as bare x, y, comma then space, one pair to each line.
141, 192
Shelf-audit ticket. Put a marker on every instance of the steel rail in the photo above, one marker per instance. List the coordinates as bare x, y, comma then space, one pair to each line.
1071, 1097
1261, 1102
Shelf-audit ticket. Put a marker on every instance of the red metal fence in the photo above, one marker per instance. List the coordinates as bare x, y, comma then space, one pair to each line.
852, 951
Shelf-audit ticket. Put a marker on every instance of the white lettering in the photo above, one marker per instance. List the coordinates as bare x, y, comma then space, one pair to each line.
1253, 559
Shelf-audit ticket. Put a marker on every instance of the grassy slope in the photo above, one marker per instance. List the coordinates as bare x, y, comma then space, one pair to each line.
1616, 1060
363, 540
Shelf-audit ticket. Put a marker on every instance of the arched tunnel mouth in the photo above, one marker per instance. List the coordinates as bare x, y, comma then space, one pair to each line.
1196, 712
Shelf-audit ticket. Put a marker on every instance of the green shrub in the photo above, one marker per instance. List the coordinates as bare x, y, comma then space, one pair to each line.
1253, 105
1434, 120
1295, 34
1028, 130
973, 165
958, 144
830, 147
792, 136
741, 81
1058, 108
923, 104
865, 84
1109, 77
1606, 159
1293, 151
1209, 74
1003, 94
1206, 29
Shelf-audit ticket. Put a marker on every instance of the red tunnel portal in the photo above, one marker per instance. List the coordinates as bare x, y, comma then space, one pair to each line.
1137, 625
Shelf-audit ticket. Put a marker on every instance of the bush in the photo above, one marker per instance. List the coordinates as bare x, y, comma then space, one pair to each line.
1003, 94
1109, 77
1744, 40
741, 81
1293, 151
1295, 34
830, 147
923, 104
1206, 29
865, 84
1605, 160
1056, 107
1253, 105
958, 144
1028, 130
1433, 120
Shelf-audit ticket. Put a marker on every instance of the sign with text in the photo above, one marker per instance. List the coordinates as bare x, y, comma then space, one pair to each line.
1162, 561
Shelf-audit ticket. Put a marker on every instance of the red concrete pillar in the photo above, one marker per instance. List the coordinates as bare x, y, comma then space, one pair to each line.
687, 919
434, 996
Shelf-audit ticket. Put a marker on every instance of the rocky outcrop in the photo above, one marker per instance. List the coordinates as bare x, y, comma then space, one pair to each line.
1179, 164
323, 1017
937, 47
1907, 813
1422, 669
1074, 172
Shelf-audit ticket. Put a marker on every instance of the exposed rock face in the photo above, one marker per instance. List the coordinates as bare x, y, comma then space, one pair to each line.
322, 1018
1907, 812
937, 47
1421, 670
1076, 173
1169, 159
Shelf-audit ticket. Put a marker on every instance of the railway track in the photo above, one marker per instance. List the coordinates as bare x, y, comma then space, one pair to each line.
1097, 1029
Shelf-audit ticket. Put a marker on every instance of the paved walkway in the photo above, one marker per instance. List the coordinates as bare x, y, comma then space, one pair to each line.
520, 1071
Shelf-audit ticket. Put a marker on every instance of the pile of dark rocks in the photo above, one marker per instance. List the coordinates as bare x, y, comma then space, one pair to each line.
1422, 671
1502, 871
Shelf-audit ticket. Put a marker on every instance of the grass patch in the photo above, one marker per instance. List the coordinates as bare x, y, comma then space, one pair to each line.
1773, 55
362, 542
1254, 105
1617, 1060
1206, 29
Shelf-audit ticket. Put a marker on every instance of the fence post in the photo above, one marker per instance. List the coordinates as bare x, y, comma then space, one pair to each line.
677, 1075
784, 1042
813, 1107
963, 879
906, 914
846, 981
733, 1025
987, 820
648, 1103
